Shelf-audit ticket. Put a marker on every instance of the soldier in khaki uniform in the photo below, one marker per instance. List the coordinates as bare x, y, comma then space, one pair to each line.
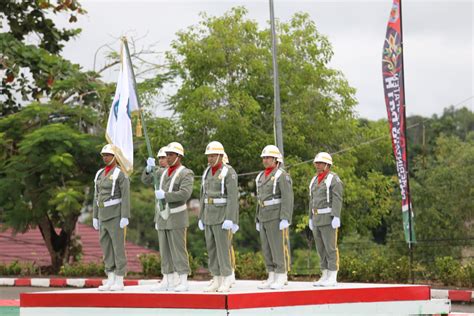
219, 215
171, 221
111, 211
273, 218
325, 206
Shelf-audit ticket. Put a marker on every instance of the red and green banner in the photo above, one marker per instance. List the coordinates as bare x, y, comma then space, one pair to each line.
392, 66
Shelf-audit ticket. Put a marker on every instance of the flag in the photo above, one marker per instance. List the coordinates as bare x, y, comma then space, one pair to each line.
392, 68
119, 125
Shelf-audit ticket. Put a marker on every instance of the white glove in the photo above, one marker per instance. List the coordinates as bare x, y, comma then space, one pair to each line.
123, 222
160, 194
284, 224
257, 226
228, 224
336, 222
310, 224
201, 225
150, 163
235, 228
95, 223
156, 226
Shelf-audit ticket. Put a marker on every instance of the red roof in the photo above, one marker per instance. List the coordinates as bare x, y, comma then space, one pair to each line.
30, 247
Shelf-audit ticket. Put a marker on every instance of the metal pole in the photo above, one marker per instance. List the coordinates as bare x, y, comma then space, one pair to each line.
278, 129
410, 242
147, 140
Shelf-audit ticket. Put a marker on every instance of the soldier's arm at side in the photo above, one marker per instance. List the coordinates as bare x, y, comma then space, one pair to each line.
201, 200
337, 193
232, 207
124, 183
95, 208
286, 188
185, 189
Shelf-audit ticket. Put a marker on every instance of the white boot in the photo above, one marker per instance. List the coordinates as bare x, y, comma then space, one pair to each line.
214, 284
281, 279
268, 282
173, 281
163, 285
331, 279
118, 285
183, 283
226, 284
324, 276
108, 284
232, 278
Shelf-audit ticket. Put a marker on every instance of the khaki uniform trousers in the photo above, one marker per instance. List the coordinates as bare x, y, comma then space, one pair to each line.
275, 246
112, 242
173, 251
326, 244
219, 249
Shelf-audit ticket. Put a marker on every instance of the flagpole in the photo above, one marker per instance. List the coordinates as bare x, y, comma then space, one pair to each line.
278, 129
410, 242
145, 133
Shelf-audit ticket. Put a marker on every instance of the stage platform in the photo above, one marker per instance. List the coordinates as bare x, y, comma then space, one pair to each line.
298, 298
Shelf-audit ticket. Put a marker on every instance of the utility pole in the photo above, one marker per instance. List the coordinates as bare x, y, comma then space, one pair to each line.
277, 126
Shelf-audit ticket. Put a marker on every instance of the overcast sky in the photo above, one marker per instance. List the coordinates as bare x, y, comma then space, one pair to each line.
438, 41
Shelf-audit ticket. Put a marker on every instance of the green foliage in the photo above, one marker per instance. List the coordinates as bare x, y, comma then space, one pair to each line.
250, 265
16, 268
194, 264
467, 274
304, 262
151, 264
447, 270
82, 269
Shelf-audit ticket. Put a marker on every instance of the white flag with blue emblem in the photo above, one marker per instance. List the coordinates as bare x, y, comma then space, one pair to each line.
119, 126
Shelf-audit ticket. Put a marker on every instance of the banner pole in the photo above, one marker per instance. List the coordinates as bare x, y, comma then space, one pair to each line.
410, 228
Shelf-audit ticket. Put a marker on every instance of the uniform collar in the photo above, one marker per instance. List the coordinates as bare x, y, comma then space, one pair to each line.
323, 175
108, 169
269, 170
173, 168
215, 168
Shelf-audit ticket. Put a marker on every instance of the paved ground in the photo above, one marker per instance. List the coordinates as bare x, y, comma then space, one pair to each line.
11, 293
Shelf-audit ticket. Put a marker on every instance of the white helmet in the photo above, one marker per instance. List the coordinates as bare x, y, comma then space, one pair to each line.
175, 147
225, 159
271, 151
108, 149
161, 152
323, 157
214, 148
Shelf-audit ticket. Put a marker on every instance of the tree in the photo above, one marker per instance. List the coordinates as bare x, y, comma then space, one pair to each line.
443, 197
46, 170
29, 71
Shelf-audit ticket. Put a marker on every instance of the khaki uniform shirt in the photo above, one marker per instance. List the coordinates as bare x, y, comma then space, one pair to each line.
180, 194
213, 214
318, 199
103, 190
284, 191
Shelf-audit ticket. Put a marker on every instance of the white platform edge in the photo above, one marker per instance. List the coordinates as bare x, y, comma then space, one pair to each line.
441, 306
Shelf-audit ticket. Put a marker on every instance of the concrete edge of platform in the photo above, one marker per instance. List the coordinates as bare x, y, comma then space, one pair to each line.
67, 282
453, 295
